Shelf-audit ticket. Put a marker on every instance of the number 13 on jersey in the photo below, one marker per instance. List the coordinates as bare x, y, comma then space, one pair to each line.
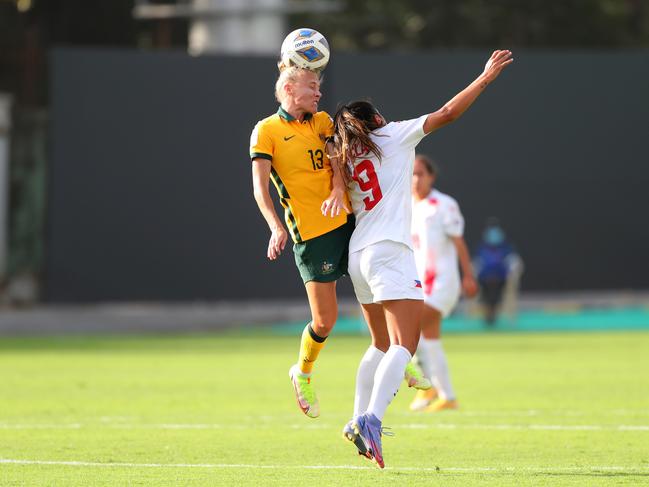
365, 176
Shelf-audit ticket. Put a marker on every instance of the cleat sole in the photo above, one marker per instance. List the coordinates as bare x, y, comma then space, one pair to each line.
358, 442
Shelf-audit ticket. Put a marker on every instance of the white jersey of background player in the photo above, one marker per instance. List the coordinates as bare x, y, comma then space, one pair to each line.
435, 220
437, 229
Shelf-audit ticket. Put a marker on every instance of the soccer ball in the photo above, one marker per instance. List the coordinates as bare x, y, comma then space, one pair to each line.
305, 48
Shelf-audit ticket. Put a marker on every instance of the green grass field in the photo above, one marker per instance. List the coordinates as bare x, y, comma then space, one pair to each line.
536, 409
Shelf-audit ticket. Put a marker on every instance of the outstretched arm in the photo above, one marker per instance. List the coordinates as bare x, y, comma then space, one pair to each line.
278, 235
456, 106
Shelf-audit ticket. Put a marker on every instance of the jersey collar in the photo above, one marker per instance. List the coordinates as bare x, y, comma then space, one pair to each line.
289, 118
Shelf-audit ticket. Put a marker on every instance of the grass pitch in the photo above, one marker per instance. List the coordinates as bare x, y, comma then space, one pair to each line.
536, 409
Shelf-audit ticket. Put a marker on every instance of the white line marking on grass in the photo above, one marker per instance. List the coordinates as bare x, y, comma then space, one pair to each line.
495, 470
504, 427
9, 426
632, 427
323, 426
540, 412
180, 426
526, 427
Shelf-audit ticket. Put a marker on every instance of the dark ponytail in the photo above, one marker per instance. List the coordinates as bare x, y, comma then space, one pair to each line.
352, 125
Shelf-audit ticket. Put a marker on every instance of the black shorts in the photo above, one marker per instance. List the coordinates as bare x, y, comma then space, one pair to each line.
491, 291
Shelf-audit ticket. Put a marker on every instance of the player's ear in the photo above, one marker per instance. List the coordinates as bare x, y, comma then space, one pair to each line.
288, 88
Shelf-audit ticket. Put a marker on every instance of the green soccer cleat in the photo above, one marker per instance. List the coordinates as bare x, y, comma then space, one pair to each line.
415, 377
304, 393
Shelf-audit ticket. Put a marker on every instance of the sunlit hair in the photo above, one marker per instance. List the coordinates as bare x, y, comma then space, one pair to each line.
431, 166
288, 74
352, 126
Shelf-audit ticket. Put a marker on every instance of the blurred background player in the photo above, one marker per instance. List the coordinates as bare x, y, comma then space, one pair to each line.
289, 148
379, 158
499, 270
437, 231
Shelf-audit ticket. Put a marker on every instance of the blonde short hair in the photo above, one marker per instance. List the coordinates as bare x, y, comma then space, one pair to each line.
287, 74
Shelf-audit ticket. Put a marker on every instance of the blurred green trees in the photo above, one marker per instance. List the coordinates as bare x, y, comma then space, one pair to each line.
408, 24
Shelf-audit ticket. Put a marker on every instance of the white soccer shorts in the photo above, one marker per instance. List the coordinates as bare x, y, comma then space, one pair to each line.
444, 296
384, 271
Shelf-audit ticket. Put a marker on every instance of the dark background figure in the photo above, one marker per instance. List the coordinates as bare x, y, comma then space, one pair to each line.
497, 264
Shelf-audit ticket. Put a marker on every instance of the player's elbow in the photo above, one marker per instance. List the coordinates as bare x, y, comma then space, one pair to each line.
258, 193
439, 118
448, 114
258, 189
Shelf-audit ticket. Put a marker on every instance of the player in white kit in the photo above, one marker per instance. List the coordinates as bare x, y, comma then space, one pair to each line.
437, 234
378, 159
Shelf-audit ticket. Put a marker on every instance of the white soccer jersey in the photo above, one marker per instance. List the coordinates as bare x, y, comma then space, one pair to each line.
435, 219
381, 189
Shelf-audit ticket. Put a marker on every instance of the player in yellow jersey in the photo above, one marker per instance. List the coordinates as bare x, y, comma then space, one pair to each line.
289, 148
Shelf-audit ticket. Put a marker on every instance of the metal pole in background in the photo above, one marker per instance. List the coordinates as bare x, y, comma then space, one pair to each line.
234, 26
241, 27
5, 129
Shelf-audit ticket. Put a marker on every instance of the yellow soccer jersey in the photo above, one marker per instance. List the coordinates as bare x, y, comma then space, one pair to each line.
300, 169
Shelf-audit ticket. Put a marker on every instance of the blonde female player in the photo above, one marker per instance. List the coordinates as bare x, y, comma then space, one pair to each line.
288, 147
378, 157
437, 229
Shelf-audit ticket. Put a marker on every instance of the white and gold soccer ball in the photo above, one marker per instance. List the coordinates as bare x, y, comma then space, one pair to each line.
305, 48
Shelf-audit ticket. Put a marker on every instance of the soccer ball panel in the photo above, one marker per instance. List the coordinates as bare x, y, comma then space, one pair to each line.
305, 48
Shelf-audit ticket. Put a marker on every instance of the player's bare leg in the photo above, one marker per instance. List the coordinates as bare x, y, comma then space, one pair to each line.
324, 306
375, 318
403, 318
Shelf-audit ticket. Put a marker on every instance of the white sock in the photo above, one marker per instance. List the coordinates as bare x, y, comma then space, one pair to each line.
441, 378
365, 378
388, 378
426, 357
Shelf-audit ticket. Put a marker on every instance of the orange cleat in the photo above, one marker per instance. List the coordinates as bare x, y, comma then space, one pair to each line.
423, 399
441, 404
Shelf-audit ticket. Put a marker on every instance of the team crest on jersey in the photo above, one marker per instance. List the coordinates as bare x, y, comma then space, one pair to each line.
327, 267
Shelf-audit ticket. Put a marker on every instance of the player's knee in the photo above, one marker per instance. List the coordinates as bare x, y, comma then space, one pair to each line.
322, 326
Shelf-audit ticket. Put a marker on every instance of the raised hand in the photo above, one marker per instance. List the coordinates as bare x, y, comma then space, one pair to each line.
496, 63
